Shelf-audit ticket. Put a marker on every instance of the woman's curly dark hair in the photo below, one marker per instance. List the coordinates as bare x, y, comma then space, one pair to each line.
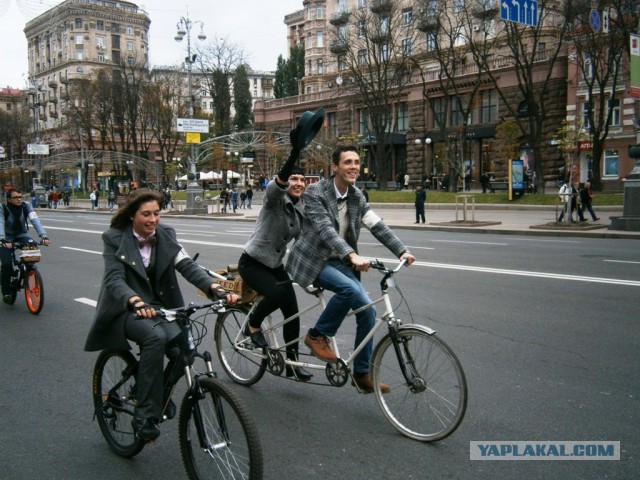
124, 216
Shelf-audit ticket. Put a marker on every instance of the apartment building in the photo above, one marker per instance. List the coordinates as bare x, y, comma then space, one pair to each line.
74, 40
427, 112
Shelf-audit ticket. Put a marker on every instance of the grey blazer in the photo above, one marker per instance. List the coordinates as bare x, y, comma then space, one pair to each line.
319, 236
279, 222
125, 276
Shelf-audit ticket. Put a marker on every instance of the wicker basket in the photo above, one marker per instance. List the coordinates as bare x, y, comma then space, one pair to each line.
30, 256
235, 284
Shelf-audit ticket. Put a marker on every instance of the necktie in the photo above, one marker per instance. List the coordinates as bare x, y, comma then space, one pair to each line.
342, 199
149, 241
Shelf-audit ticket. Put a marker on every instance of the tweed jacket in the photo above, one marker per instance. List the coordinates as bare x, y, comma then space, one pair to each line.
279, 222
320, 238
125, 276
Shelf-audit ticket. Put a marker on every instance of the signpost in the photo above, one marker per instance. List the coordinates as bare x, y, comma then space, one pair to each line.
193, 125
520, 11
37, 149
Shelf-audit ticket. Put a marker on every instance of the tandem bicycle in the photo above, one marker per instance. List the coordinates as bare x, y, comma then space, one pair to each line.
428, 396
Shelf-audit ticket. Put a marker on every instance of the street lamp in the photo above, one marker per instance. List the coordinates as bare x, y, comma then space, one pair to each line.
194, 192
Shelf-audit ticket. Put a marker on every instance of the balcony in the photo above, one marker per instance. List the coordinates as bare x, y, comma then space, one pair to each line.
380, 37
487, 9
338, 46
428, 22
339, 18
380, 6
53, 84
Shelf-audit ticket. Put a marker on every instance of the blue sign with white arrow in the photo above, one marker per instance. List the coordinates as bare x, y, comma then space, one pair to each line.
520, 11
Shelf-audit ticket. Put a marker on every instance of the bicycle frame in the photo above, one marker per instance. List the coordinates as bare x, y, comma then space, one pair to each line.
388, 317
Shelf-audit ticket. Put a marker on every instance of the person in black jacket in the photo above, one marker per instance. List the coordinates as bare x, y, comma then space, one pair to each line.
141, 258
421, 197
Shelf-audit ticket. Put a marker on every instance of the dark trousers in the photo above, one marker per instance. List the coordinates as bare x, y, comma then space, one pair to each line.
275, 286
419, 212
153, 337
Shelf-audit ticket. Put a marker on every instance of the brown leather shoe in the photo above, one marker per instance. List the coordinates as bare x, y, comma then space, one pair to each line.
320, 348
364, 383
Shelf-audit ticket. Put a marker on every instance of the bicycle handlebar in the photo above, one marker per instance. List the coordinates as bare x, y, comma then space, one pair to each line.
378, 265
170, 314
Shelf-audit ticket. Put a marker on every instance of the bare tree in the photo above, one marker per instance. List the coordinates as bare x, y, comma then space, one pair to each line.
600, 57
374, 53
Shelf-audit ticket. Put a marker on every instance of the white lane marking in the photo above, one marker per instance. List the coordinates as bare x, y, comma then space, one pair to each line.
82, 250
472, 243
86, 301
622, 261
523, 273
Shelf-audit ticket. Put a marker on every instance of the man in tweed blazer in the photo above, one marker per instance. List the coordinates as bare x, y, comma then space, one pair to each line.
326, 255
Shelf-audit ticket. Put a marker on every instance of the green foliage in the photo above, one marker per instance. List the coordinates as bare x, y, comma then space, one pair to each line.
242, 98
288, 72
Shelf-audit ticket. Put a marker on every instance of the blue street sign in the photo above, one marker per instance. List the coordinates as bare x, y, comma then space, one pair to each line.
520, 11
594, 20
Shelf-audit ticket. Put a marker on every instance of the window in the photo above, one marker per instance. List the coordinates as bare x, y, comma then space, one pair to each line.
8, 107
614, 118
129, 30
489, 112
586, 111
311, 13
78, 23
384, 52
115, 27
79, 54
362, 3
101, 57
362, 57
341, 5
457, 112
362, 28
100, 25
320, 39
115, 42
332, 122
79, 39
100, 41
437, 109
431, 42
362, 120
403, 117
610, 165
407, 16
342, 63
130, 45
342, 33
320, 12
320, 65
406, 47
458, 6
115, 56
131, 60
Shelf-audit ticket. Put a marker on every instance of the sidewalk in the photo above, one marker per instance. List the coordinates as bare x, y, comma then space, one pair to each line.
487, 218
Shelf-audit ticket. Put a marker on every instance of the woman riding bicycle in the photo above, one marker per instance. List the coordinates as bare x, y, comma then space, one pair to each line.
141, 258
13, 229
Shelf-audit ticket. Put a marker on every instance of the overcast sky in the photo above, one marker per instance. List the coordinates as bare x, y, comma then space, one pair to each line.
257, 26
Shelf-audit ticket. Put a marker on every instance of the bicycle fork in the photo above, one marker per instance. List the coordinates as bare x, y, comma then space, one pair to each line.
402, 347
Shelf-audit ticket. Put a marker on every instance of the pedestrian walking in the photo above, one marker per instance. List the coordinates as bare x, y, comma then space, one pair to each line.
249, 197
586, 198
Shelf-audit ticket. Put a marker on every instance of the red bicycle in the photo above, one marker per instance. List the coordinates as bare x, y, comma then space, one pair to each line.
25, 276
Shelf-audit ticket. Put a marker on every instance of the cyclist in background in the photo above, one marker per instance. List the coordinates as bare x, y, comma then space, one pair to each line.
13, 229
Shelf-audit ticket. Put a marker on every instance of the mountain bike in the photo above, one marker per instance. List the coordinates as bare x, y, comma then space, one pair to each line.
428, 396
25, 276
218, 438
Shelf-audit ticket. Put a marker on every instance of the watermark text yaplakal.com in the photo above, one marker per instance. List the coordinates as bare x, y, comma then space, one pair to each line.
544, 450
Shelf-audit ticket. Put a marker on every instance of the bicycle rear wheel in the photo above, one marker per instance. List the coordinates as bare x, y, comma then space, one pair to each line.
432, 404
244, 363
33, 290
218, 438
114, 399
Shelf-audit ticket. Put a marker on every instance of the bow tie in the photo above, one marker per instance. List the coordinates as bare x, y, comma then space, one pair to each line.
149, 241
342, 199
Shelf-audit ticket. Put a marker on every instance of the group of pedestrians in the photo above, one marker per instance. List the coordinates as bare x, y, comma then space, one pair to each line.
576, 200
230, 198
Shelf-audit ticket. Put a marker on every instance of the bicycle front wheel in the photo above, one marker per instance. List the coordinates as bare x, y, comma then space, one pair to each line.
34, 290
244, 363
429, 400
114, 399
218, 438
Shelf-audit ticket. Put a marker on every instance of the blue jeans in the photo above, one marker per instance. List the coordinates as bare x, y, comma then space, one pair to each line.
349, 294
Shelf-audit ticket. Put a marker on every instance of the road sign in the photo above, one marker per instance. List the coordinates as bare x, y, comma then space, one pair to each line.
594, 21
37, 149
2, 154
195, 125
520, 11
193, 137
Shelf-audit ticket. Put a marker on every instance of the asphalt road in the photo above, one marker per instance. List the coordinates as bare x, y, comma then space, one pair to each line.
546, 329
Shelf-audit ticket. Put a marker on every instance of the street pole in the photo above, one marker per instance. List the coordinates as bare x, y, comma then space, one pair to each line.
195, 194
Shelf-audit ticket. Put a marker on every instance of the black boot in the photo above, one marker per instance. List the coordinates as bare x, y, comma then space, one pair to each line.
300, 374
5, 281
